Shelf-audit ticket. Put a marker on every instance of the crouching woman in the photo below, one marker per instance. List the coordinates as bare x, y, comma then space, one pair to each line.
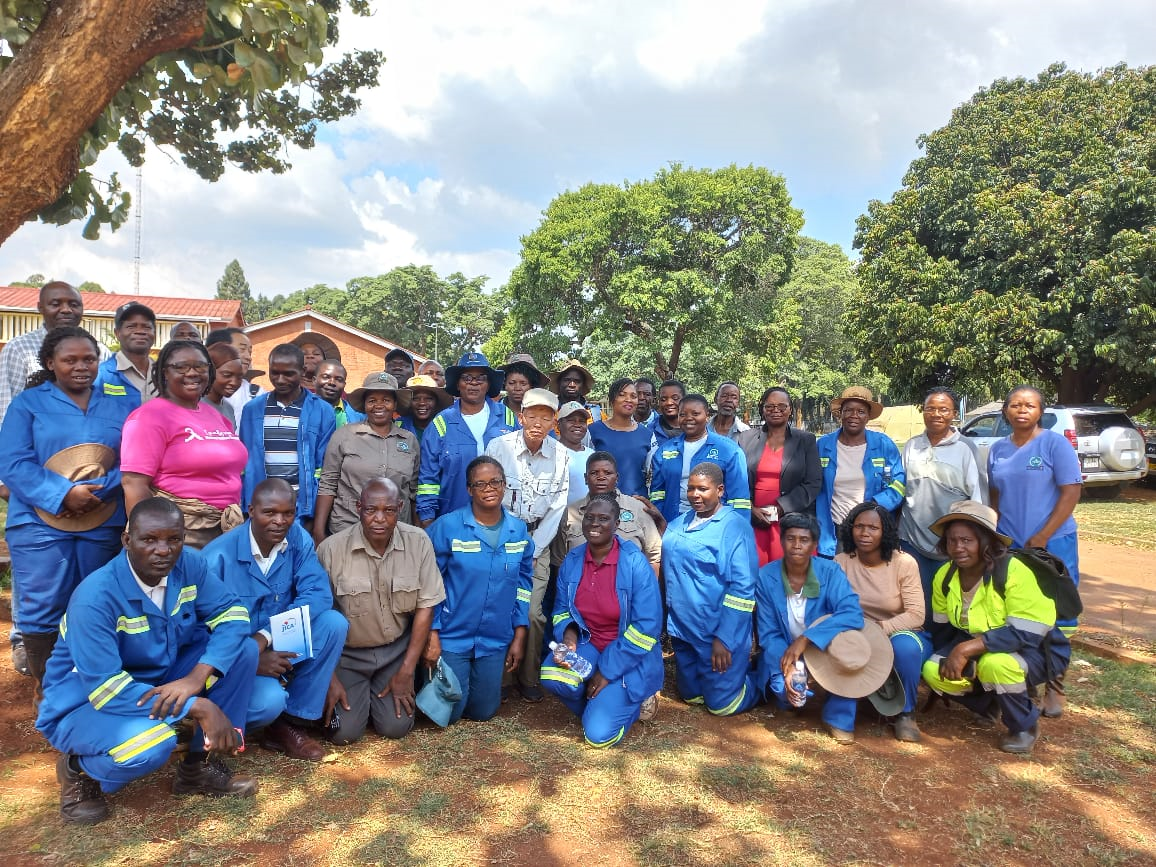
609, 612
993, 645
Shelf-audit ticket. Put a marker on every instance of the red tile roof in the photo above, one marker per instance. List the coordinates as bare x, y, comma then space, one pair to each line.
97, 303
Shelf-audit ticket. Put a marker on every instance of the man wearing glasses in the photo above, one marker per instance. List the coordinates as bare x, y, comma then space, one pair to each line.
537, 469
386, 582
458, 434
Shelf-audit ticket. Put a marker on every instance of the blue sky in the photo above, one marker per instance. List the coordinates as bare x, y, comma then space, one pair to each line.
485, 112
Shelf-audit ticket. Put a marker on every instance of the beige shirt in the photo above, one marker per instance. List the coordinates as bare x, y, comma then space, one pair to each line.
634, 525
144, 383
355, 455
378, 593
891, 594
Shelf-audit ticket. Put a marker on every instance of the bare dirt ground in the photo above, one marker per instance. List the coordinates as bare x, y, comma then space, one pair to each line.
687, 789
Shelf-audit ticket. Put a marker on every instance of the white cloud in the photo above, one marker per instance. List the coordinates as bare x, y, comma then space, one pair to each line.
487, 111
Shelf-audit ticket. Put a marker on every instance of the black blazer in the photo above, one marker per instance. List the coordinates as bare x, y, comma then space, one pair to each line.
802, 476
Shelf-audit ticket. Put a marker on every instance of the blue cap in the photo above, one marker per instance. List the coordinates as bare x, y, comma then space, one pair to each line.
437, 698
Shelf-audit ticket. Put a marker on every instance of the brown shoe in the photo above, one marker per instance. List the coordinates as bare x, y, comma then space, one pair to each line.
282, 737
841, 736
211, 777
1052, 705
81, 800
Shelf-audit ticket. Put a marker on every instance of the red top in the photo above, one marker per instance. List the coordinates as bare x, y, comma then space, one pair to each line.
767, 477
597, 597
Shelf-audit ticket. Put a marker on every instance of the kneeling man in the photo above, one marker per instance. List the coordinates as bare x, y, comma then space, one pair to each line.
147, 640
386, 582
270, 564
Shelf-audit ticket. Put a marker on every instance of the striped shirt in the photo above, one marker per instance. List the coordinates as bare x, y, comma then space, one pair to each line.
281, 424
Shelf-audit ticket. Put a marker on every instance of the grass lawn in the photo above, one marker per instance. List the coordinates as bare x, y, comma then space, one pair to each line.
1128, 520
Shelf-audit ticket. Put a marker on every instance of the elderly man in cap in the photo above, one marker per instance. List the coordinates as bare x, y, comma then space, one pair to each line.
537, 470
148, 640
386, 581
129, 372
399, 364
573, 381
459, 434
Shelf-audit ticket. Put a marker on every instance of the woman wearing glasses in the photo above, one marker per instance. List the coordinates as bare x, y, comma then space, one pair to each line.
783, 470
486, 558
941, 469
858, 465
181, 448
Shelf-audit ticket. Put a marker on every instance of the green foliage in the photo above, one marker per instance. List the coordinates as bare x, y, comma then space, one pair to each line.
410, 305
233, 286
258, 80
90, 286
1022, 245
34, 280
652, 274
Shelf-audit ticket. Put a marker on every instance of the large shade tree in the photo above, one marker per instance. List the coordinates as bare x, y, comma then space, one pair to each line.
213, 82
680, 266
1022, 244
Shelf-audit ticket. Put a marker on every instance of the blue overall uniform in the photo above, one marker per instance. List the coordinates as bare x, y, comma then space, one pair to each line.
110, 380
488, 579
666, 482
115, 645
827, 591
295, 578
447, 447
632, 662
48, 564
883, 481
710, 593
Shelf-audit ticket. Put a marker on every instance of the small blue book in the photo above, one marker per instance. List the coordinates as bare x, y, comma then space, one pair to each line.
292, 632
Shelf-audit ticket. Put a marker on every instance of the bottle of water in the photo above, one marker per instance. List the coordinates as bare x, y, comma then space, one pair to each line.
799, 684
570, 659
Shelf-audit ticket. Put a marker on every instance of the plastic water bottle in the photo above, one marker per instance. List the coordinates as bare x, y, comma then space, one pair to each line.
799, 684
570, 659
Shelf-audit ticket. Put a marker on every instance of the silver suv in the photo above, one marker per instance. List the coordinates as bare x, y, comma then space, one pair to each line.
1110, 446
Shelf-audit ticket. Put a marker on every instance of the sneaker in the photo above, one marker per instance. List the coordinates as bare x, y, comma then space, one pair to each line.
20, 659
211, 777
649, 709
81, 800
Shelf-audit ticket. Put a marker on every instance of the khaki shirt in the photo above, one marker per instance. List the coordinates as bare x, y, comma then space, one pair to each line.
634, 525
378, 594
144, 383
355, 455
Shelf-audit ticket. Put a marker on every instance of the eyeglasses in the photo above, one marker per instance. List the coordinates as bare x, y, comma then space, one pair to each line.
776, 407
488, 485
186, 368
471, 379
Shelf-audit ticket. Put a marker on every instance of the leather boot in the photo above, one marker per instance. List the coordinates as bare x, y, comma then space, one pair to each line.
1020, 743
38, 646
81, 801
1052, 705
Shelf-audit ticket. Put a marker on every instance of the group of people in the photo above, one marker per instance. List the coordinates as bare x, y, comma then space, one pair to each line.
169, 524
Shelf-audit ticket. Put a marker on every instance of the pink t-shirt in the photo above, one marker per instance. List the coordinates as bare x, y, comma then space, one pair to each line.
186, 452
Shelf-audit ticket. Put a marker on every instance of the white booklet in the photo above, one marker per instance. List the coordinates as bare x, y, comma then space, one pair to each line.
292, 632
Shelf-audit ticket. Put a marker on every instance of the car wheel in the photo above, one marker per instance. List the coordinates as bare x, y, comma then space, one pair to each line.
1121, 449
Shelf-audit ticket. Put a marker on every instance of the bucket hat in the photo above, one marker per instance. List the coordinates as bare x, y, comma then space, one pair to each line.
474, 361
573, 364
437, 698
380, 382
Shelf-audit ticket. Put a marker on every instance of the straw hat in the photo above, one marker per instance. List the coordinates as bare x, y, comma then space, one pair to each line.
421, 382
858, 392
521, 362
973, 513
856, 662
329, 350
573, 364
77, 464
383, 382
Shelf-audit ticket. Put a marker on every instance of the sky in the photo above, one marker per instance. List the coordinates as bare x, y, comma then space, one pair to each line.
487, 111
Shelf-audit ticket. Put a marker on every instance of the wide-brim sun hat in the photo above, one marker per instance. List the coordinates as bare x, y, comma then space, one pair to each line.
80, 463
858, 392
573, 364
328, 348
521, 362
380, 382
474, 361
856, 662
891, 698
974, 513
421, 382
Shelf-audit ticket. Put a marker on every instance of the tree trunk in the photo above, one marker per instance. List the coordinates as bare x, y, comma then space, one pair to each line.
63, 78
1078, 386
